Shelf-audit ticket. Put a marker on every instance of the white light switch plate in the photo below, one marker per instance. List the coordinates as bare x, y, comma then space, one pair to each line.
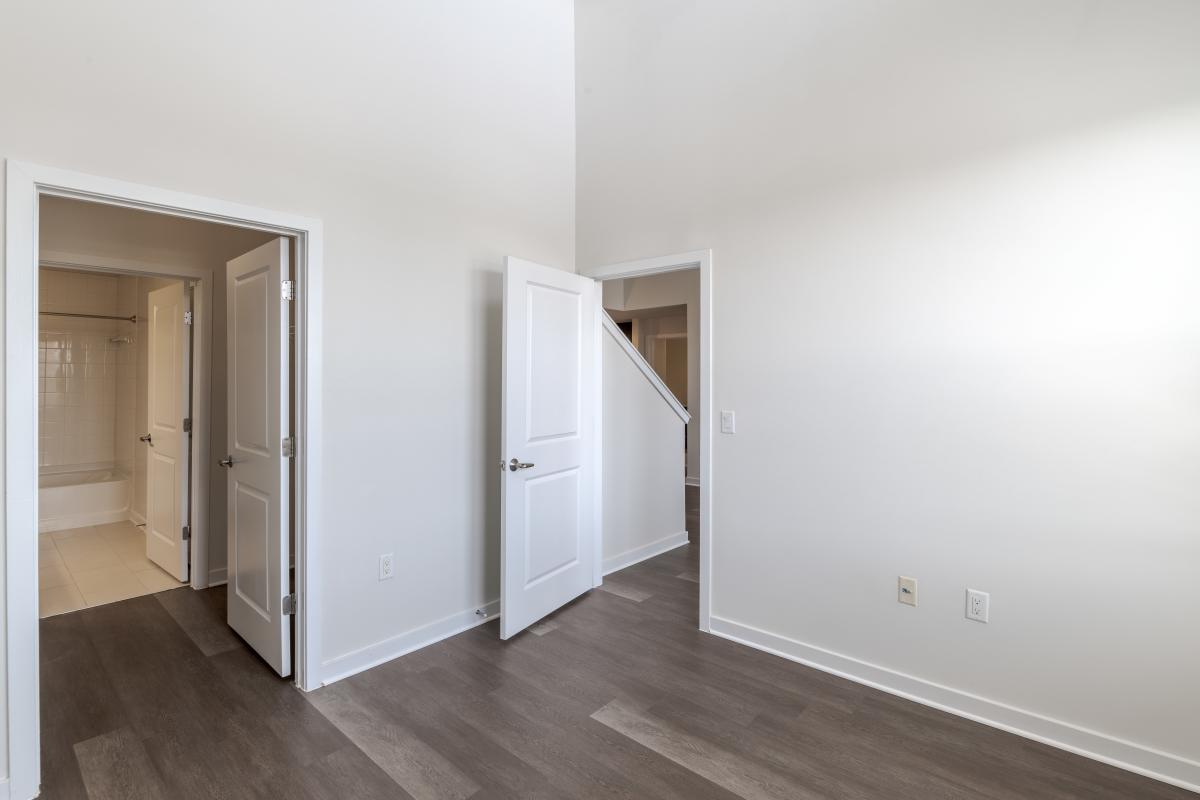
727, 422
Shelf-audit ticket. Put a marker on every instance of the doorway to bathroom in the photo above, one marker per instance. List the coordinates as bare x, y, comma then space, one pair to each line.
133, 401
257, 307
115, 382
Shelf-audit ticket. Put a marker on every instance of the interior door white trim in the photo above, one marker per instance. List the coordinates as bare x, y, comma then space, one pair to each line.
703, 261
24, 184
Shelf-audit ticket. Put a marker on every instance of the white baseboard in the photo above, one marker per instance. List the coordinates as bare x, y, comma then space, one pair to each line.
373, 655
136, 518
690, 481
66, 523
217, 576
655, 548
1165, 767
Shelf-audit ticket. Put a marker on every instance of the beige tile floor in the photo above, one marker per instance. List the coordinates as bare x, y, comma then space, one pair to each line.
92, 566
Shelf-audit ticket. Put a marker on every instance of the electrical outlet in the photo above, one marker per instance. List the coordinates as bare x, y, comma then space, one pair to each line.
728, 423
387, 566
977, 605
906, 590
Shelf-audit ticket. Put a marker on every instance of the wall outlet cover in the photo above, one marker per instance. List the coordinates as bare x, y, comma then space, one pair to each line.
978, 605
387, 566
906, 590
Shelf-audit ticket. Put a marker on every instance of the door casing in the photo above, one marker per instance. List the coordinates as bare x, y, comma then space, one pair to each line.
25, 184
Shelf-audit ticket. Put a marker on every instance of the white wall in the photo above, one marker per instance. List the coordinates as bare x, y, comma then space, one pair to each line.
643, 461
681, 287
431, 138
956, 268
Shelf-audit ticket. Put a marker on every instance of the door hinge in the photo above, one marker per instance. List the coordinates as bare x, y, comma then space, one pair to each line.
187, 532
289, 290
187, 318
289, 446
289, 605
187, 424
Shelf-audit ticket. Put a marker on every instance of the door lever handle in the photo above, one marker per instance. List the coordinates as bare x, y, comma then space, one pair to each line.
515, 465
227, 461
145, 437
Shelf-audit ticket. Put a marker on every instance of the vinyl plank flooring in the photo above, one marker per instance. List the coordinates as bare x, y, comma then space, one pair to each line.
571, 769
221, 771
543, 627
274, 710
472, 752
624, 590
344, 773
615, 695
656, 777
745, 779
115, 766
410, 762
166, 686
826, 768
201, 615
85, 705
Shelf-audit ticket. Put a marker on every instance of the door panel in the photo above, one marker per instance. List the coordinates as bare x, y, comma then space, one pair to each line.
257, 485
548, 530
167, 453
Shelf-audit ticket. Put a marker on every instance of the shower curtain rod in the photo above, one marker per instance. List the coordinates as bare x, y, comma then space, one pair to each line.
87, 316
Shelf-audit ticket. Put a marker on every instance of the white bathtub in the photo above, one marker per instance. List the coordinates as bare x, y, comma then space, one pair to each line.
84, 497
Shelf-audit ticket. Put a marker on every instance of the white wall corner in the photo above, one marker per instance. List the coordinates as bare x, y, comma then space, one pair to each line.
639, 554
364, 658
1165, 767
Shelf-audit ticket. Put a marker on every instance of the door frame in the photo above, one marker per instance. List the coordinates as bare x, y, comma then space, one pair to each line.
701, 260
25, 184
199, 576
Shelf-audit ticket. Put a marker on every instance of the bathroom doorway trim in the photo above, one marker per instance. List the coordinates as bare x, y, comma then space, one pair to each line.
25, 184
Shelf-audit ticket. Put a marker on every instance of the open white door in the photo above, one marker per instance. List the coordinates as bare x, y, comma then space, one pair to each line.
257, 486
548, 531
168, 454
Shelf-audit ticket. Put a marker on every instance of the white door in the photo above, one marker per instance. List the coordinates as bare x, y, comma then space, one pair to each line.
257, 486
167, 455
548, 531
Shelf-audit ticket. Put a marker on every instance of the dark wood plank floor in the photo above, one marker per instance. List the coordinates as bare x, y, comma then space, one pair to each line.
617, 695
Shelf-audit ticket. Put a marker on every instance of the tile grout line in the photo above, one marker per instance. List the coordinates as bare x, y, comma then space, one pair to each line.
132, 573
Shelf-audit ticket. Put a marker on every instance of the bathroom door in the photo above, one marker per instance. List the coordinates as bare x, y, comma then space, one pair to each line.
549, 490
256, 470
167, 454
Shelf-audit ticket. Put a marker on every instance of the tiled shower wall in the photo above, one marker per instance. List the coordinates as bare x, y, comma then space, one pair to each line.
81, 370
